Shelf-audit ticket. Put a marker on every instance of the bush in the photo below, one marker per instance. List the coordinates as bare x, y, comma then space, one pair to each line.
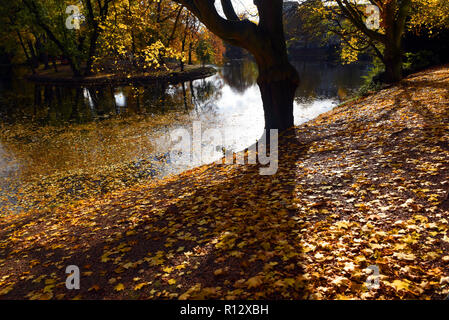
373, 80
420, 60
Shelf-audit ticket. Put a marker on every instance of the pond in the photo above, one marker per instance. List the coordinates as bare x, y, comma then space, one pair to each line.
60, 144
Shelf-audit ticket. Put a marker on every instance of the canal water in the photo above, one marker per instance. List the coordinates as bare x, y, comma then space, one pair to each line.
60, 144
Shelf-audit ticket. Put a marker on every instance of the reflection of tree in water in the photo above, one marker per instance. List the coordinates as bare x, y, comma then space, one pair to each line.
160, 98
154, 98
240, 74
310, 81
56, 105
205, 93
326, 80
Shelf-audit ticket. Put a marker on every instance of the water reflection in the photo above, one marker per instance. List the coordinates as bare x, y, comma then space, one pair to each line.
240, 75
229, 101
50, 130
56, 105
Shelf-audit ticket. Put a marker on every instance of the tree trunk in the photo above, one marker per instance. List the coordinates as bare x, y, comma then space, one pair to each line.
92, 49
30, 63
277, 87
54, 64
95, 23
190, 53
393, 64
394, 16
277, 79
183, 43
34, 58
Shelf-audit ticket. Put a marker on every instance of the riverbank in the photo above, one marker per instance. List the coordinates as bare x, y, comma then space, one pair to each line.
65, 77
362, 187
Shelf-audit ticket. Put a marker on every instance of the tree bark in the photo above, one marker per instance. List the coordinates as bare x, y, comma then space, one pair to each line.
393, 63
277, 87
395, 16
93, 38
30, 63
95, 34
190, 53
277, 79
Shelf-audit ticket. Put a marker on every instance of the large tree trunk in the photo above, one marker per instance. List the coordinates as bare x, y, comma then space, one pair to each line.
393, 44
278, 86
394, 16
393, 63
278, 79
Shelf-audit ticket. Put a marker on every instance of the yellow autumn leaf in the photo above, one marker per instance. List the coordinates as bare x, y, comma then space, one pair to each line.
168, 269
119, 287
400, 285
140, 285
254, 282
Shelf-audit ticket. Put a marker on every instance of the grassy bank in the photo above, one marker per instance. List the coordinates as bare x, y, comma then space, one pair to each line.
363, 185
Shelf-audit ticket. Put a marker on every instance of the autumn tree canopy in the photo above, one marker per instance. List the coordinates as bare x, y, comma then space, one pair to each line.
378, 27
105, 35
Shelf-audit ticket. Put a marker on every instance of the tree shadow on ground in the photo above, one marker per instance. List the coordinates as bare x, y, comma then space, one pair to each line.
220, 235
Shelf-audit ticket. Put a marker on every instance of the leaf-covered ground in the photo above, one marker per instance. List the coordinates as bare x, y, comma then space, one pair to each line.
364, 185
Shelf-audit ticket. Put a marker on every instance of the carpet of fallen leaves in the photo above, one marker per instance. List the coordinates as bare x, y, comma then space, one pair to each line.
365, 184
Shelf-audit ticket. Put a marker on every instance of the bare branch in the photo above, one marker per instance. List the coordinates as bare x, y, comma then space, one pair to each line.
242, 32
228, 10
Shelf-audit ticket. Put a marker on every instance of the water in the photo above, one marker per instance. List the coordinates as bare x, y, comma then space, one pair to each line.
88, 136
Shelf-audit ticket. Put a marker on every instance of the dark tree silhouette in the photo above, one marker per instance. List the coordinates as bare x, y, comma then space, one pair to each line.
277, 78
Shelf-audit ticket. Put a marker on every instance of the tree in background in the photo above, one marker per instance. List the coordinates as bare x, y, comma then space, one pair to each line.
114, 36
204, 52
429, 15
15, 36
78, 45
139, 35
350, 21
427, 39
304, 25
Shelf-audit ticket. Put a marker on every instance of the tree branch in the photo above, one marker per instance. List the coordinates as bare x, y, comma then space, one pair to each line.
228, 10
242, 32
353, 15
